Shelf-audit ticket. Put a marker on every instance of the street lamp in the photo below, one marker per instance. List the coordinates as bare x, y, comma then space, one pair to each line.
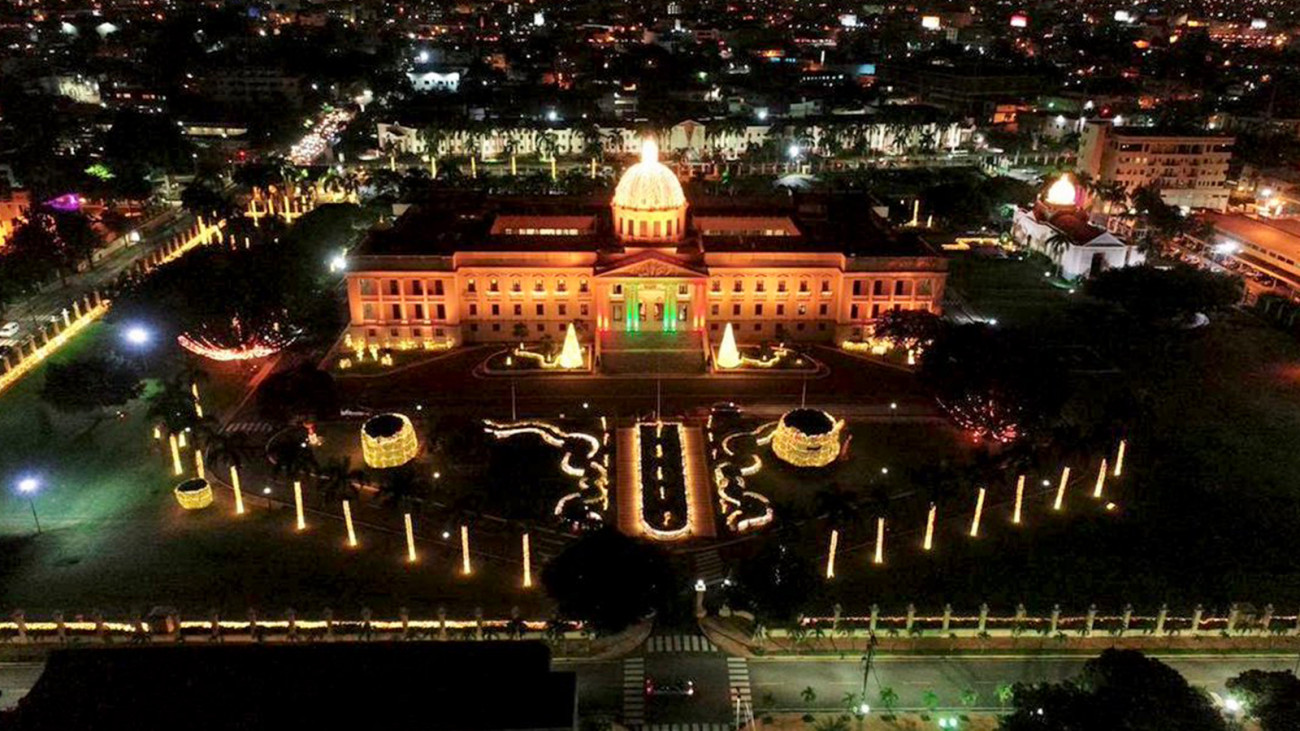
137, 335
29, 486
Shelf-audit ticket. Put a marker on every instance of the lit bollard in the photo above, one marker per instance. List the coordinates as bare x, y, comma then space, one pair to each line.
929, 528
410, 538
528, 564
1020, 498
465, 568
979, 511
1101, 481
830, 559
347, 519
880, 540
239, 493
297, 505
1119, 458
1060, 491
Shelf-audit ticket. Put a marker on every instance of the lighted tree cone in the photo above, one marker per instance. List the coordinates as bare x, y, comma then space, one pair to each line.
830, 558
175, 445
1020, 498
465, 568
528, 564
1119, 458
347, 520
1101, 481
880, 540
979, 512
410, 538
239, 493
571, 354
929, 527
297, 505
728, 353
1060, 491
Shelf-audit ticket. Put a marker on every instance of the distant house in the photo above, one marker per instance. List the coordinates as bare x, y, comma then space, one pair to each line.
1057, 225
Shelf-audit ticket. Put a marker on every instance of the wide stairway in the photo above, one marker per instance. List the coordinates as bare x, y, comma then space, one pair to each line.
651, 352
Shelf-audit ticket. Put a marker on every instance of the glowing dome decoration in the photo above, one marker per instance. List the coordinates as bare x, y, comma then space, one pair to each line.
728, 353
807, 438
1062, 193
194, 494
649, 204
571, 354
388, 440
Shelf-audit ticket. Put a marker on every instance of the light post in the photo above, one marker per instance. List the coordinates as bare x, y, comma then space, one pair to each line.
863, 708
29, 486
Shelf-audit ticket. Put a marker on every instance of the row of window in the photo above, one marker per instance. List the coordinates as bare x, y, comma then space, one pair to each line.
902, 287
801, 310
419, 288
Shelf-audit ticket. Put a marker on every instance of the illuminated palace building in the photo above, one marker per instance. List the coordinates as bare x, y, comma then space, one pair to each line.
472, 267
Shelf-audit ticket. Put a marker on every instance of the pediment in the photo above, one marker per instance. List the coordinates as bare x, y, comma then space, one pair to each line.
651, 264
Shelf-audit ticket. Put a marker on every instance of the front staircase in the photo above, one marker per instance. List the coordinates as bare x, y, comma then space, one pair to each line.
651, 353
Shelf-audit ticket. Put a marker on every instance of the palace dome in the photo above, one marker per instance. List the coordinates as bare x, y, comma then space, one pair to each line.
1064, 192
649, 185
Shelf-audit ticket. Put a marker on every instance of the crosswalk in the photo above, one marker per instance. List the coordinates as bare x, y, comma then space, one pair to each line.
634, 691
250, 427
738, 682
679, 643
709, 566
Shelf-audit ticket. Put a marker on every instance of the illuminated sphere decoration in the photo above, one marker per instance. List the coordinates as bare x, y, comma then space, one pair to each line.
194, 494
388, 440
807, 438
1064, 193
649, 204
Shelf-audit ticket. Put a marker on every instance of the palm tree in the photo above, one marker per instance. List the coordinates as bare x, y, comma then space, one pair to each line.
402, 486
1005, 693
808, 695
291, 459
888, 698
227, 447
173, 405
338, 481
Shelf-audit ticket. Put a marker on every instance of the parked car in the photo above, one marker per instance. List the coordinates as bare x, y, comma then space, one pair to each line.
9, 330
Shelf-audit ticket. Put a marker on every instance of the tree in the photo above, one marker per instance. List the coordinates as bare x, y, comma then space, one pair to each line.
808, 695
78, 239
305, 392
90, 384
777, 584
338, 480
203, 199
173, 404
1153, 294
609, 580
1271, 697
908, 329
1119, 689
888, 698
403, 486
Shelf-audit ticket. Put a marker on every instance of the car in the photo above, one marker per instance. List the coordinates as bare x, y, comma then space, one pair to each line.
682, 687
725, 407
9, 330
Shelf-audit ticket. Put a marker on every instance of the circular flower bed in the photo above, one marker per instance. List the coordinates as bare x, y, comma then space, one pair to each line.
194, 494
807, 438
388, 440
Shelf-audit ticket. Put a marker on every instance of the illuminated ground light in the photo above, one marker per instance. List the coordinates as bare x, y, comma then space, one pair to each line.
194, 494
830, 558
347, 520
297, 505
1101, 480
239, 493
736, 502
465, 568
1020, 498
979, 512
880, 541
807, 438
258, 347
528, 563
929, 527
410, 537
388, 440
1119, 458
1060, 491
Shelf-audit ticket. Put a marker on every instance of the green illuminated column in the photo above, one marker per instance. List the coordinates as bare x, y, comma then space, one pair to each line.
670, 308
633, 309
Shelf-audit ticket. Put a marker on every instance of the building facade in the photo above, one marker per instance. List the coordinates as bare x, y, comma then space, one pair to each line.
1057, 225
478, 268
1191, 171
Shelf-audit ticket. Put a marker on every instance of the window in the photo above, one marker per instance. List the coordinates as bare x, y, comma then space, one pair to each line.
437, 288
561, 327
519, 310
715, 285
496, 310
738, 286
853, 312
473, 310
715, 310
394, 287
758, 326
857, 287
541, 310
878, 287
441, 312
618, 290
369, 312
372, 333
541, 327
582, 285
875, 311
419, 311
821, 309
494, 285
780, 285
584, 310
564, 310
803, 310
735, 310
471, 286
417, 287
713, 326
683, 290
368, 287
780, 310
516, 286
925, 288
397, 312
393, 332
473, 327
902, 287
826, 286
539, 285
560, 286
760, 286
496, 327
417, 332
758, 310
803, 285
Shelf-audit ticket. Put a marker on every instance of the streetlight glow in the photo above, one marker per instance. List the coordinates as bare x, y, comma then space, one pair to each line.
138, 335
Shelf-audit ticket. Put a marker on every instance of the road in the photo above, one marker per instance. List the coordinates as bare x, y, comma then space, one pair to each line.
38, 308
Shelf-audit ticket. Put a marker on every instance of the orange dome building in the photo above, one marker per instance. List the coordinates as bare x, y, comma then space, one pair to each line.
649, 204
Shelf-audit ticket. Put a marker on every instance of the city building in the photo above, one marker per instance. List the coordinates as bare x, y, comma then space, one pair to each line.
1057, 225
253, 85
1269, 246
479, 268
1191, 170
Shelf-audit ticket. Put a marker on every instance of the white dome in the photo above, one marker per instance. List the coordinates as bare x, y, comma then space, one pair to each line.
649, 185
